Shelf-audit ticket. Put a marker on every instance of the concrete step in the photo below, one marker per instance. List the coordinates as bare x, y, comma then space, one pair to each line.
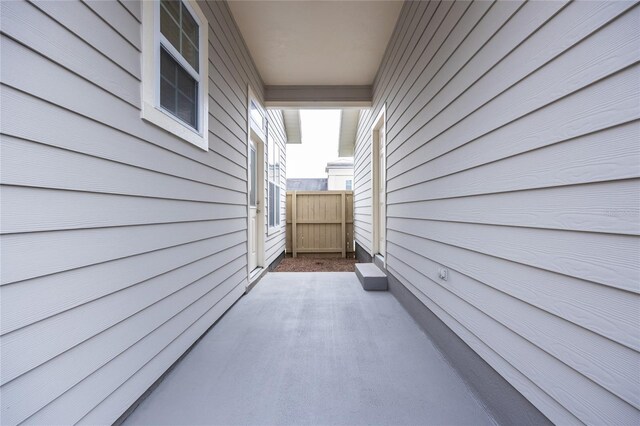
371, 277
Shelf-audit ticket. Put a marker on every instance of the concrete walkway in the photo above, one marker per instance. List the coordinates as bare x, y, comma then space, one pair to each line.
313, 349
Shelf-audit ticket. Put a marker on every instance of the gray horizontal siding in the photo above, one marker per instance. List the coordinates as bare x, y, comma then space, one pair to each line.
275, 241
121, 244
513, 160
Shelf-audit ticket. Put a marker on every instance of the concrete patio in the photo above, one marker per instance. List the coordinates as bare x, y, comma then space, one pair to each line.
312, 348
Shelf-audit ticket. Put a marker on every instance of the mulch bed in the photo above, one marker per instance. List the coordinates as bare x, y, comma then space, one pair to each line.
314, 264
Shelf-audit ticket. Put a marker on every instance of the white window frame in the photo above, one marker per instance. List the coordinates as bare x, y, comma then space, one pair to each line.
151, 110
350, 182
379, 125
271, 146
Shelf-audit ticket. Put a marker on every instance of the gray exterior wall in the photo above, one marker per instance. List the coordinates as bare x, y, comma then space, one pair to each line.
121, 244
275, 241
513, 161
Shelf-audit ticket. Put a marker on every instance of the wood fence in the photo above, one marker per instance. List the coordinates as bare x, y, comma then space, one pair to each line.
320, 223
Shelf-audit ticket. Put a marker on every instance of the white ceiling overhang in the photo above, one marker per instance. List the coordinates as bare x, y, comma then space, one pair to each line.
292, 125
316, 43
317, 54
348, 132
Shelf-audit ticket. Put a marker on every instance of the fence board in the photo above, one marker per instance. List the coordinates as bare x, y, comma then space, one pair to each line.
320, 222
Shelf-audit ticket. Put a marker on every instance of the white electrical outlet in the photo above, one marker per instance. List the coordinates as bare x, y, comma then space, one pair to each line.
443, 273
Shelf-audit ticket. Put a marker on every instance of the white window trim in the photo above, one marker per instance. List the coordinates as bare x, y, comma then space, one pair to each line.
151, 110
276, 229
379, 124
252, 129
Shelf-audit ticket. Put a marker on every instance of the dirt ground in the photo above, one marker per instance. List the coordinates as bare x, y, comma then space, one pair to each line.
313, 264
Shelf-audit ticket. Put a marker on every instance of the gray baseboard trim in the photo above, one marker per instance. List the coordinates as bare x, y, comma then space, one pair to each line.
378, 260
362, 256
503, 401
264, 271
276, 262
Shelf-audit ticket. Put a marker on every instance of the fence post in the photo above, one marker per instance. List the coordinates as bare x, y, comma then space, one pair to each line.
344, 224
294, 231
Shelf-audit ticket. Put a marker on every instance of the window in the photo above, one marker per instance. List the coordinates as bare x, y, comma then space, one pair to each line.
253, 194
274, 184
348, 184
178, 90
175, 67
256, 115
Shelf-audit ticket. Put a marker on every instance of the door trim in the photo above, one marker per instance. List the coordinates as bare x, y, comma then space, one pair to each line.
379, 125
257, 136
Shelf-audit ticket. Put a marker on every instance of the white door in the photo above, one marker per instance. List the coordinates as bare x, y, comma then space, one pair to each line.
382, 197
253, 207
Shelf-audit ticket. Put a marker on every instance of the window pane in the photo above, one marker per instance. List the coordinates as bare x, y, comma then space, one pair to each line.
186, 84
256, 115
172, 7
271, 204
190, 54
277, 206
169, 26
178, 90
189, 26
167, 67
186, 110
274, 183
276, 167
253, 178
168, 90
167, 95
181, 29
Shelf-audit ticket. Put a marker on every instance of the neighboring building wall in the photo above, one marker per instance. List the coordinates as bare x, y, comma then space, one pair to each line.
122, 244
275, 240
337, 179
307, 184
338, 173
512, 152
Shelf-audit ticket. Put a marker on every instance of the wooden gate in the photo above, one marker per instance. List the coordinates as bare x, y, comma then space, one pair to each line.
320, 223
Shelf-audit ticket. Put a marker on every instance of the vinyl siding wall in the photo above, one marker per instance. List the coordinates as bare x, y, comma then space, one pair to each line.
121, 244
513, 161
275, 240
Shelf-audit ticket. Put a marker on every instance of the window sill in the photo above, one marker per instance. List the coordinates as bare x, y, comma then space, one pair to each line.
166, 122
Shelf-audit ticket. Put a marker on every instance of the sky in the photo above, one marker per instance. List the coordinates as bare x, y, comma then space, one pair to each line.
320, 133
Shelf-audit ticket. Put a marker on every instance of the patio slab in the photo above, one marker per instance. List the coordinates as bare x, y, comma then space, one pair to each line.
313, 349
